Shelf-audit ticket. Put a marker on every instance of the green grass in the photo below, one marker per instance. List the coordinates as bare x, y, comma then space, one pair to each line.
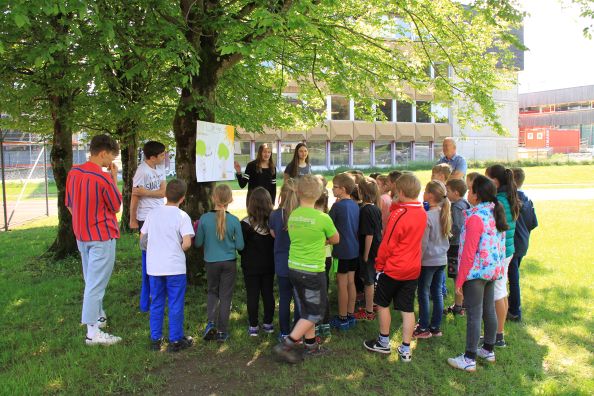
42, 349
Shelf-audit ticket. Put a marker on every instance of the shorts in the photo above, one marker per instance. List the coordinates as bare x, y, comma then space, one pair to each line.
501, 284
347, 265
401, 293
453, 261
367, 272
310, 294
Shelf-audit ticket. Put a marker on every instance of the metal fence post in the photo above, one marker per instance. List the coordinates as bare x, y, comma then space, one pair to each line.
3, 181
45, 176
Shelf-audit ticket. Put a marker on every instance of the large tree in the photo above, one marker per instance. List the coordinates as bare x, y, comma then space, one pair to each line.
236, 57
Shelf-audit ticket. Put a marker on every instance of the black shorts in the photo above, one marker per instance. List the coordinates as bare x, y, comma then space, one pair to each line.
367, 271
347, 265
453, 261
310, 294
402, 293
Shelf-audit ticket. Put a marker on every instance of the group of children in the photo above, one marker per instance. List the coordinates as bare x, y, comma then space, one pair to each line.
377, 232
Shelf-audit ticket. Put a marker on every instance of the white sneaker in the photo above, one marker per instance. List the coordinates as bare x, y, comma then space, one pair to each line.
461, 363
102, 338
102, 322
405, 356
484, 354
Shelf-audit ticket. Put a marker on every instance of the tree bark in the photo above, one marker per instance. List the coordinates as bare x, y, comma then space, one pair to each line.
61, 160
128, 135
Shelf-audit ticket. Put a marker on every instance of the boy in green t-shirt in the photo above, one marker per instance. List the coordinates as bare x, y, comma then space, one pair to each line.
309, 230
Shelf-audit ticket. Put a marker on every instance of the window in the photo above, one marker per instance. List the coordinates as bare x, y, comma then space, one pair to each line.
441, 113
402, 153
242, 152
287, 150
317, 153
403, 111
340, 108
423, 114
539, 136
362, 153
530, 136
422, 152
339, 153
437, 150
385, 108
383, 153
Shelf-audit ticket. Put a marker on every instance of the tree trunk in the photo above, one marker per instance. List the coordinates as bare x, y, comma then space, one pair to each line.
61, 160
129, 142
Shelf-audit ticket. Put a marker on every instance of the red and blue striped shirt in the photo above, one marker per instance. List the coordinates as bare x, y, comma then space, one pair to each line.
94, 200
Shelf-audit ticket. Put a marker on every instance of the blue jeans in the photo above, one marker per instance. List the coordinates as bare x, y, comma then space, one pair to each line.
172, 287
444, 288
430, 281
514, 299
97, 264
145, 289
285, 295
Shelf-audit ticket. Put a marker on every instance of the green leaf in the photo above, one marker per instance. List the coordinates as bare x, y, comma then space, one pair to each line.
21, 20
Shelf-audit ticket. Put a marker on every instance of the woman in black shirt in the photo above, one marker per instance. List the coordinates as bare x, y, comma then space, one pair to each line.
299, 165
260, 172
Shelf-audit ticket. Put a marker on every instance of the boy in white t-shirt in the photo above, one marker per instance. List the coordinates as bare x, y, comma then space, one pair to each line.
166, 233
148, 190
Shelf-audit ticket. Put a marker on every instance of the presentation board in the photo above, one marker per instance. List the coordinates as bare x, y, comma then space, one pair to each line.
214, 151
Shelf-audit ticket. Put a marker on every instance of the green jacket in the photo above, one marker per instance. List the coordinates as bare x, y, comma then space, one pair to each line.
509, 234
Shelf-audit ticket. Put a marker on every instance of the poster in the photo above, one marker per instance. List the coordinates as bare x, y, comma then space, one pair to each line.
214, 152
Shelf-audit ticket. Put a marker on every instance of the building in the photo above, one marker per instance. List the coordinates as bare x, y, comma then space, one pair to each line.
557, 121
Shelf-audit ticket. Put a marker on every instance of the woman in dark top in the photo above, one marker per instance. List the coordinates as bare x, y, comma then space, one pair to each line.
299, 165
261, 172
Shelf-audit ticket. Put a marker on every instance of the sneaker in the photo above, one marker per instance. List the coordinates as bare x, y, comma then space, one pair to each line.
364, 315
340, 324
421, 333
102, 322
314, 350
222, 336
462, 363
210, 332
325, 330
405, 356
253, 331
285, 351
499, 344
268, 328
513, 318
486, 355
181, 344
455, 310
351, 321
156, 345
102, 338
318, 331
375, 346
435, 332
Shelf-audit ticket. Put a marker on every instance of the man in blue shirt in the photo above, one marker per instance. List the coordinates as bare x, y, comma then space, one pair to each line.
455, 161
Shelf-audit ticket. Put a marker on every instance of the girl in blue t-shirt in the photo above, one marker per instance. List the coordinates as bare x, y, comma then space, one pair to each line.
278, 229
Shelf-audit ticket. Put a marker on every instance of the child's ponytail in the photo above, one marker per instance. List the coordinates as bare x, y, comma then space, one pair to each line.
438, 190
222, 196
512, 194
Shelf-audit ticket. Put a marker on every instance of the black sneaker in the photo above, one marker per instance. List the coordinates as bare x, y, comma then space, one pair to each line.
375, 346
285, 351
156, 345
498, 343
180, 345
513, 318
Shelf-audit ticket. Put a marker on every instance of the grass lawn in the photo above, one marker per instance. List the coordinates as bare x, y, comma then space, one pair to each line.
42, 348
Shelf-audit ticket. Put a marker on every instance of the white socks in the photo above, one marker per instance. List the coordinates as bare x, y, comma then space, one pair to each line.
92, 330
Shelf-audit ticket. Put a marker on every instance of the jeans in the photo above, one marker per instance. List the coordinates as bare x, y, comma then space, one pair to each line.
285, 295
444, 288
172, 287
256, 286
220, 279
480, 304
97, 264
430, 281
513, 272
145, 289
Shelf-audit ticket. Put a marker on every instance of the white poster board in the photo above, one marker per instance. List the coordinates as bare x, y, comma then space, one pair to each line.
214, 152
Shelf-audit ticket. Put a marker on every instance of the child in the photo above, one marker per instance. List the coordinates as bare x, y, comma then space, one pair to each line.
345, 215
147, 193
441, 172
435, 247
456, 191
526, 222
323, 329
220, 233
309, 230
503, 178
168, 232
482, 251
257, 260
385, 199
278, 229
370, 237
392, 177
399, 265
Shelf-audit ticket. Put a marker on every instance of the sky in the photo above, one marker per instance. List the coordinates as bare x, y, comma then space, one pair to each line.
559, 56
